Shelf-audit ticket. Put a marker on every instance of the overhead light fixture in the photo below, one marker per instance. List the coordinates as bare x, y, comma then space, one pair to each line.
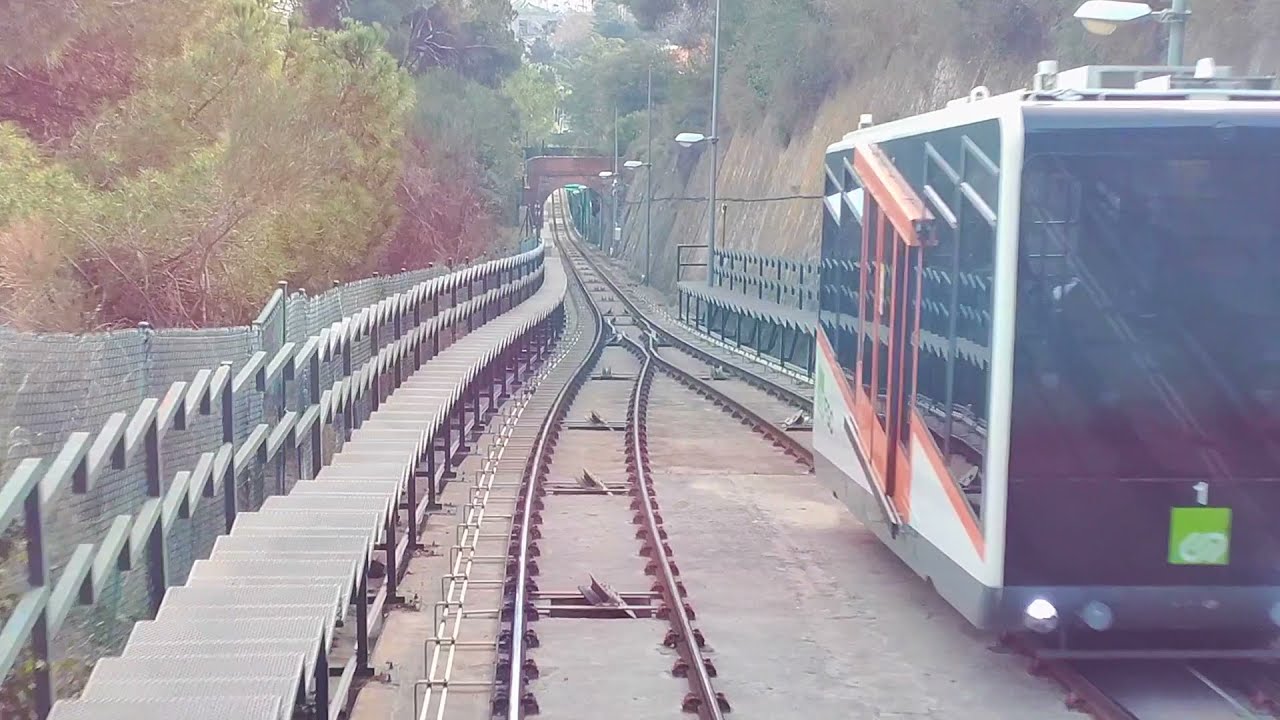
689, 139
1102, 17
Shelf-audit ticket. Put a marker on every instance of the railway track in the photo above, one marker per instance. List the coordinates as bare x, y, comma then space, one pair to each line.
582, 550
767, 400
664, 599
1151, 685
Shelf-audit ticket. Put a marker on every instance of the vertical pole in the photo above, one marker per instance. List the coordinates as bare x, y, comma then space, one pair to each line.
715, 103
613, 226
648, 178
393, 569
229, 438
1178, 30
431, 475
38, 577
724, 231
157, 553
317, 450
362, 622
284, 387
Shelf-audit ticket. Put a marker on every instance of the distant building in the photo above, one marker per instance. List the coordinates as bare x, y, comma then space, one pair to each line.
534, 21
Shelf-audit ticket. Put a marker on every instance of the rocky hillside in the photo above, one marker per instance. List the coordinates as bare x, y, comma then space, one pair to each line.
778, 151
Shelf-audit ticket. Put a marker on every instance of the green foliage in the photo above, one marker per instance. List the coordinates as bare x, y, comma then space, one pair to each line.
535, 91
779, 57
30, 184
470, 37
611, 73
614, 20
649, 14
37, 199
468, 123
262, 152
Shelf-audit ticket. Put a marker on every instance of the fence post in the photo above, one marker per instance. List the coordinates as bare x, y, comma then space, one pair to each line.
38, 576
800, 284
283, 406
229, 439
317, 433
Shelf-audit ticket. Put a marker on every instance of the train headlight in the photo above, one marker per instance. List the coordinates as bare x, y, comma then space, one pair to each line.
1041, 616
1097, 615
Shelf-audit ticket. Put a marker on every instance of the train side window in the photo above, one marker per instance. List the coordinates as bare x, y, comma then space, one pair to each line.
840, 267
958, 182
868, 330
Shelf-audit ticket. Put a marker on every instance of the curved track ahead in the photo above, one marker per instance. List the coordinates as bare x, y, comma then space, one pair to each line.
751, 403
601, 329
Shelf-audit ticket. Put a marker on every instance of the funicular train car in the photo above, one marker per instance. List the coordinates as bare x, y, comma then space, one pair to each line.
584, 208
1049, 352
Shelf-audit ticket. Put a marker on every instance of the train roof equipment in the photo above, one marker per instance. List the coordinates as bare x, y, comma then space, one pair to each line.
1204, 81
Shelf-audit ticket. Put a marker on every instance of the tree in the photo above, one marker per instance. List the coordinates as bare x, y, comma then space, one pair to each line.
650, 14
260, 153
444, 213
469, 125
614, 20
612, 73
37, 273
473, 38
573, 35
541, 51
60, 62
535, 91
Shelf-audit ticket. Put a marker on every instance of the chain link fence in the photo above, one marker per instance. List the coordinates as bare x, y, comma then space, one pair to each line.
54, 384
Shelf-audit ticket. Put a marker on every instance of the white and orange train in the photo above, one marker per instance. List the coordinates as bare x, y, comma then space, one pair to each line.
1048, 372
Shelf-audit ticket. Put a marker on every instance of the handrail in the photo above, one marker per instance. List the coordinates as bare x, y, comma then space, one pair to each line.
780, 280
126, 439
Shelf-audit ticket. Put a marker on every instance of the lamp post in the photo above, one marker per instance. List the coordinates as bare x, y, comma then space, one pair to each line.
614, 232
1102, 17
648, 177
688, 139
605, 243
648, 207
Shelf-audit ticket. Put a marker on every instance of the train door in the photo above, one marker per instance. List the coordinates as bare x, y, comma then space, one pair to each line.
895, 223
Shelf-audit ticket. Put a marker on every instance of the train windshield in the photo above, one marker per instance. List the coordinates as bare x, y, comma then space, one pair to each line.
1148, 328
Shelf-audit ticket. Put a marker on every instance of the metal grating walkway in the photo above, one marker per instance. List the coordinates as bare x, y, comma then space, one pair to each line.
249, 634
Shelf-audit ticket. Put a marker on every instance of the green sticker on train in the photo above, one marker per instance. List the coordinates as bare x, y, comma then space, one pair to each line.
1199, 536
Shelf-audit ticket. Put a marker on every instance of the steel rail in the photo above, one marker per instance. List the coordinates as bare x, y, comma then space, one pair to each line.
536, 468
703, 699
454, 598
1085, 695
778, 435
709, 704
749, 376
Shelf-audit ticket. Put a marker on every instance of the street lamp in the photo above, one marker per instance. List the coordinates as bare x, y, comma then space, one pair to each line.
613, 195
648, 209
688, 139
1102, 17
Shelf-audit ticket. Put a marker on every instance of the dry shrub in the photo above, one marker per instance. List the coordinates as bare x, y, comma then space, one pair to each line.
444, 213
36, 293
